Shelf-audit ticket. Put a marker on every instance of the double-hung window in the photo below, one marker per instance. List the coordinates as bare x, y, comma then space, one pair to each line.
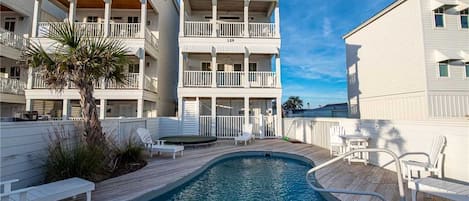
466, 67
443, 69
206, 66
464, 16
134, 68
439, 17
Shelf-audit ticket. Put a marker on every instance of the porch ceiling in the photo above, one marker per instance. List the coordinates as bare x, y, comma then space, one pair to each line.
231, 5
117, 4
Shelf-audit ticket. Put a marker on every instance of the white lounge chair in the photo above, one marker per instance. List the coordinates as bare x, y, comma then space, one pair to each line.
58, 190
246, 135
337, 144
441, 188
434, 162
158, 145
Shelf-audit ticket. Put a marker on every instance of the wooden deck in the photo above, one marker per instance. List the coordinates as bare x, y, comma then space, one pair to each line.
162, 170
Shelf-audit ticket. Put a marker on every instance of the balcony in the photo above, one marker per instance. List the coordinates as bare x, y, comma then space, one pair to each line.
12, 40
12, 86
229, 29
234, 79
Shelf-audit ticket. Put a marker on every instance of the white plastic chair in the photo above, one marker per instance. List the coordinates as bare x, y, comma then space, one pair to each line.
246, 135
159, 146
434, 163
336, 142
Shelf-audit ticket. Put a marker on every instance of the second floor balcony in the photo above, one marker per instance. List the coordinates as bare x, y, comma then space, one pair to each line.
230, 79
12, 86
229, 29
12, 40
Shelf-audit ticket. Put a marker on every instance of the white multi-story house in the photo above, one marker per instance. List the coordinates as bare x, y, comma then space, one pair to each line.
411, 61
148, 29
229, 67
15, 20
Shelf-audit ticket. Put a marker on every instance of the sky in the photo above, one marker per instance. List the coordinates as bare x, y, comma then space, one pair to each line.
313, 51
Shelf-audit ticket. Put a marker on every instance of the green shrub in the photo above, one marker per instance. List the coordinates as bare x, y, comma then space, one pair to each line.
131, 152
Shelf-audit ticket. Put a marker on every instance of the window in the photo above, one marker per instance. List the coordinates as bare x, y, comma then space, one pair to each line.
93, 19
134, 68
3, 70
10, 24
206, 66
15, 73
252, 66
221, 67
443, 69
467, 69
132, 19
439, 17
464, 15
237, 67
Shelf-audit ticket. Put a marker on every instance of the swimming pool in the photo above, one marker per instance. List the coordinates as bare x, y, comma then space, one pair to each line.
248, 178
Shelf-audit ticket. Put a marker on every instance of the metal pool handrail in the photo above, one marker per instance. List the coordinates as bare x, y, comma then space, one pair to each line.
398, 169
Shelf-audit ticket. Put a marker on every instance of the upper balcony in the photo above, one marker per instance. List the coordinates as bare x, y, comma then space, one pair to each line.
229, 19
12, 86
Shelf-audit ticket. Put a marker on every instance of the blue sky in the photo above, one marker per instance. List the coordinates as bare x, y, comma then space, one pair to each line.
313, 52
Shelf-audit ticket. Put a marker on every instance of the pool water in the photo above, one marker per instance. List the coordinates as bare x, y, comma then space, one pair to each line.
248, 178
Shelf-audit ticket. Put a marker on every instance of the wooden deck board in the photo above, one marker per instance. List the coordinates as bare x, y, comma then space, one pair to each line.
162, 170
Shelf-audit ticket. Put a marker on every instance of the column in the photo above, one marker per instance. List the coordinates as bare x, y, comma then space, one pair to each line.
181, 70
29, 84
107, 16
278, 71
72, 9
29, 105
246, 69
143, 20
246, 18
65, 109
141, 69
278, 127
214, 69
180, 114
246, 110
214, 116
277, 20
181, 17
102, 108
36, 17
140, 108
214, 18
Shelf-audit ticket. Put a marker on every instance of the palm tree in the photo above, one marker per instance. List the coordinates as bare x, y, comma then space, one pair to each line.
293, 103
83, 61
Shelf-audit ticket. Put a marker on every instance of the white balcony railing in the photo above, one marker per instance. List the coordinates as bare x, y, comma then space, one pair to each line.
38, 81
93, 29
151, 38
11, 39
151, 83
262, 79
230, 79
197, 78
130, 82
12, 86
124, 30
205, 125
231, 29
262, 30
200, 29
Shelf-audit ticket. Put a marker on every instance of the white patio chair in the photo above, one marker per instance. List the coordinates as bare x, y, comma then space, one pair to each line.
158, 145
58, 190
337, 144
246, 135
433, 165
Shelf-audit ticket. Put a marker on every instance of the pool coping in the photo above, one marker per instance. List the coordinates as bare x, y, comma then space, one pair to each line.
173, 185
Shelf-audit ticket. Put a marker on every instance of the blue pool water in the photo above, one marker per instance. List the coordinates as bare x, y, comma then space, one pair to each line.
248, 178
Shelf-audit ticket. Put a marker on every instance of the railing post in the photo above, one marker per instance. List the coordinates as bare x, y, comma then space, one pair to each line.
214, 68
72, 9
29, 84
214, 18
107, 16
278, 70
246, 68
277, 20
279, 121
143, 21
246, 18
181, 18
36, 17
213, 122
102, 108
65, 109
140, 108
141, 71
181, 69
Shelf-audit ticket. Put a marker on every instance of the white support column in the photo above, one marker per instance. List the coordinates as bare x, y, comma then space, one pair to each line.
278, 70
36, 17
141, 71
72, 10
181, 69
181, 17
214, 116
107, 16
246, 18
65, 109
180, 114
278, 130
277, 20
102, 108
246, 110
140, 108
214, 69
214, 18
143, 20
29, 84
246, 68
29, 105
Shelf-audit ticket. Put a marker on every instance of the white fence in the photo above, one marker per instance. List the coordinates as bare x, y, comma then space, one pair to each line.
205, 126
125, 30
232, 126
262, 30
230, 79
229, 126
231, 29
197, 78
262, 79
202, 29
402, 137
12, 86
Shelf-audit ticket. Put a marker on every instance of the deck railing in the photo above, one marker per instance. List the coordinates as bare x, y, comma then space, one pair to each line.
262, 30
205, 125
264, 126
130, 82
230, 79
11, 39
124, 30
197, 78
151, 83
229, 126
92, 29
201, 29
38, 81
231, 29
151, 38
12, 86
262, 79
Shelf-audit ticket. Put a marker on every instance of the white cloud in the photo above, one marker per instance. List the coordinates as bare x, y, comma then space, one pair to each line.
326, 27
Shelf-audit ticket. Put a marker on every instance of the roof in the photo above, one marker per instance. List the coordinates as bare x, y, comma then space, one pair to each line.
374, 18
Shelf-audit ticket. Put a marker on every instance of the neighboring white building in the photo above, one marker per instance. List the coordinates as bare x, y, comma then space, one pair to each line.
15, 20
229, 63
411, 61
149, 32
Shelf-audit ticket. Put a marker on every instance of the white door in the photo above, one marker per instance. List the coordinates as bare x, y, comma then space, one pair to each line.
190, 118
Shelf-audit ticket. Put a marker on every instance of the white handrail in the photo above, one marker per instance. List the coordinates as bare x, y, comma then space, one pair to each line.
231, 29
125, 30
93, 29
398, 172
194, 28
262, 79
262, 30
197, 78
11, 39
230, 79
14, 86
